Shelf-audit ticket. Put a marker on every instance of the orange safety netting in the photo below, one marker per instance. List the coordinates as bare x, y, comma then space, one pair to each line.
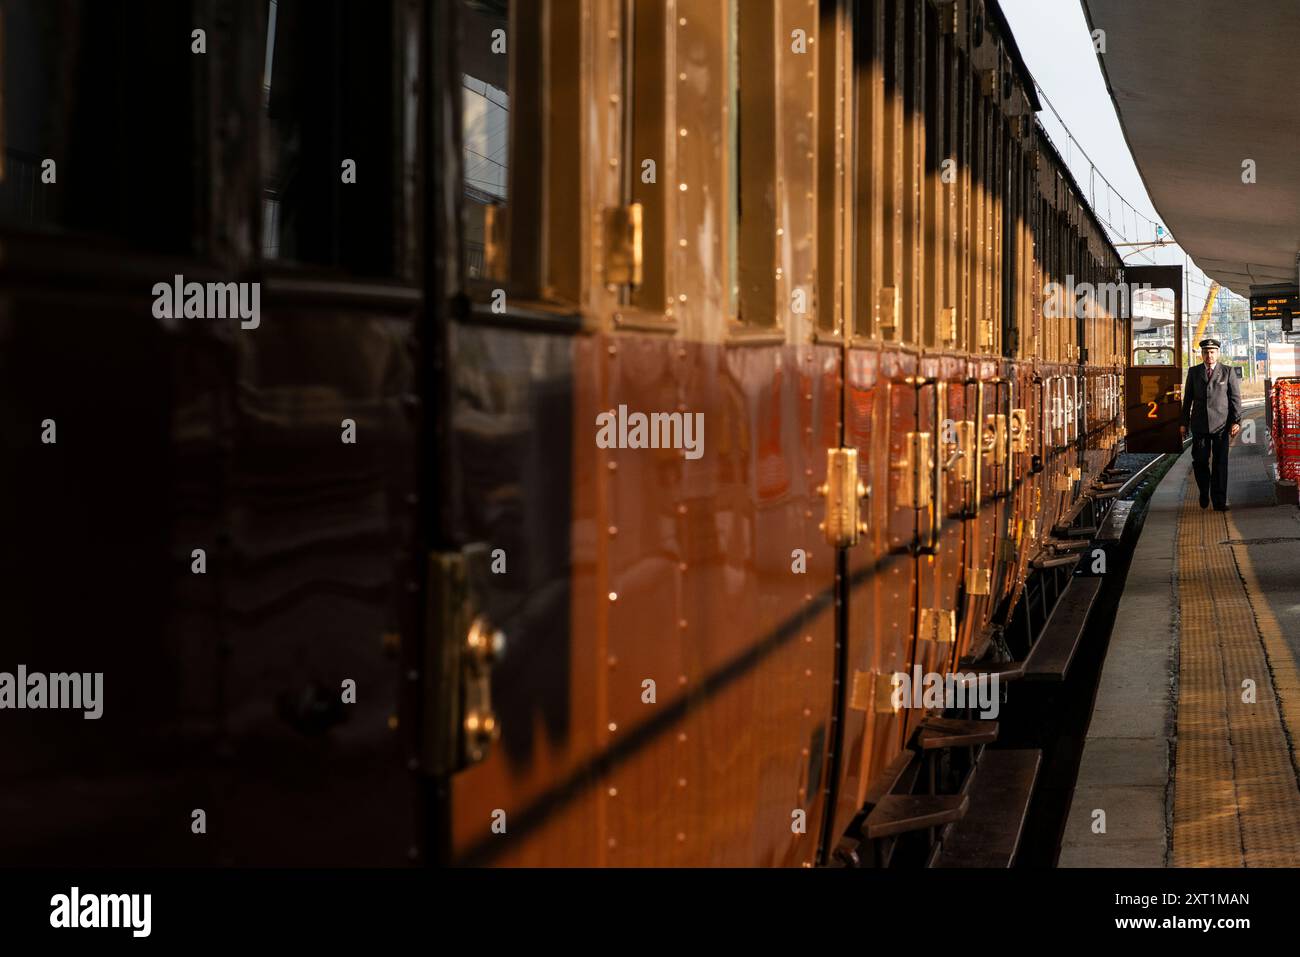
1285, 426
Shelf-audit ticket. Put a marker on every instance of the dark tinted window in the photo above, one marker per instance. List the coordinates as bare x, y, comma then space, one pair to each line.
105, 90
331, 94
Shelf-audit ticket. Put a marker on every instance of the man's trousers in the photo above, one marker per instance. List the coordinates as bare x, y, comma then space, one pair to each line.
1210, 463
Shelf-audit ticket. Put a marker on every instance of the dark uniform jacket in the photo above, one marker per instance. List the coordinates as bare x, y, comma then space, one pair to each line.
1209, 406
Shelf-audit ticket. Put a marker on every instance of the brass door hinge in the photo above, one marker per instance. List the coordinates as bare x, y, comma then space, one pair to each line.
624, 245
843, 491
977, 581
948, 325
948, 16
872, 691
938, 624
986, 333
495, 241
888, 309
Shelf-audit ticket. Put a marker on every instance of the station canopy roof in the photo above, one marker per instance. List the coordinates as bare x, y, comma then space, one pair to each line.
1200, 88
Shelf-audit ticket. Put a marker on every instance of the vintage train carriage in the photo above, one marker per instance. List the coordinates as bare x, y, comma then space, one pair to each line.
191, 523
826, 227
823, 227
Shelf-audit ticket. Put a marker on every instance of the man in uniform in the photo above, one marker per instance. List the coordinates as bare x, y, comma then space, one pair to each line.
1212, 412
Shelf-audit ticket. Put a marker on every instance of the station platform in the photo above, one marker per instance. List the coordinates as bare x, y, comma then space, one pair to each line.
1188, 760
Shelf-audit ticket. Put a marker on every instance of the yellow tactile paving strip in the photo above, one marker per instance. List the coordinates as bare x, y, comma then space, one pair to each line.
1236, 802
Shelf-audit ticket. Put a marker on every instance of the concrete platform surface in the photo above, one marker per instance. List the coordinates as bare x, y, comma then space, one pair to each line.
1188, 758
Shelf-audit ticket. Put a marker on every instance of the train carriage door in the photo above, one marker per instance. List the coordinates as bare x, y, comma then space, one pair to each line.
942, 401
506, 731
893, 450
1154, 379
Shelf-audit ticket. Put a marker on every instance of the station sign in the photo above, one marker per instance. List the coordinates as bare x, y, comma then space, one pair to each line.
1274, 302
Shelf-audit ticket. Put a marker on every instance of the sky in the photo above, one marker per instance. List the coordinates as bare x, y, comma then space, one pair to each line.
1055, 43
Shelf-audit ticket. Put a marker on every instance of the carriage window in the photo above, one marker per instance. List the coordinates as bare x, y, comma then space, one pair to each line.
751, 167
330, 194
522, 112
485, 133
645, 121
92, 139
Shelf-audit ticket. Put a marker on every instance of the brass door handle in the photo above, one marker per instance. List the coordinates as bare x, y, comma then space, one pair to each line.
937, 470
485, 645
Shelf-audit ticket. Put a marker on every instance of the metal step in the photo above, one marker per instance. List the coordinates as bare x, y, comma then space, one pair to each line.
989, 833
901, 813
954, 733
1052, 653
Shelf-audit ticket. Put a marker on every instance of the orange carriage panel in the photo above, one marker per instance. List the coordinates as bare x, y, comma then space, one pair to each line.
726, 601
880, 411
939, 561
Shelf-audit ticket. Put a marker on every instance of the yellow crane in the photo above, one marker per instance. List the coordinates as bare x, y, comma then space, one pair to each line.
1205, 319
